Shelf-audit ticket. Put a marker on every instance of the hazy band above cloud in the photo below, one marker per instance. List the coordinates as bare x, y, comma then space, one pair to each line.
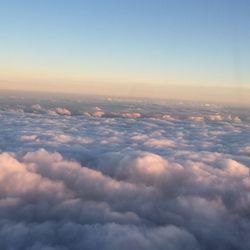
229, 94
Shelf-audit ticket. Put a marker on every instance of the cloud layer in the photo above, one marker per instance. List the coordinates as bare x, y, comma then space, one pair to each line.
169, 181
141, 200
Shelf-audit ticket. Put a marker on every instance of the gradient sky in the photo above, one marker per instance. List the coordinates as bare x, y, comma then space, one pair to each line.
114, 45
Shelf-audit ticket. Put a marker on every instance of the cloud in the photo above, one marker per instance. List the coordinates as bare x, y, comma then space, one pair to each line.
28, 138
65, 235
37, 108
159, 143
60, 111
142, 199
169, 178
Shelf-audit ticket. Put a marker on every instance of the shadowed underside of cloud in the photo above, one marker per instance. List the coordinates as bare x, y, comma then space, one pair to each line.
137, 201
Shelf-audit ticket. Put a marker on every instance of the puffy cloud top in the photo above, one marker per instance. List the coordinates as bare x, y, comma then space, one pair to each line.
142, 201
123, 177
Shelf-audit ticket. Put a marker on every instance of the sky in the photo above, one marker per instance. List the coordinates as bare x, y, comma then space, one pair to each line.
160, 48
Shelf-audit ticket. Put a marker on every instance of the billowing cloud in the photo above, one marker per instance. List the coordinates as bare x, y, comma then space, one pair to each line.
117, 180
59, 111
141, 198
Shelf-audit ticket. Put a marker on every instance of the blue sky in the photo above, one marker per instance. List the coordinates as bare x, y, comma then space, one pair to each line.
161, 42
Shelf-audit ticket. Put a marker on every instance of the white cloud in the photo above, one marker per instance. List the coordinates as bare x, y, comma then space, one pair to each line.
160, 143
140, 188
164, 178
